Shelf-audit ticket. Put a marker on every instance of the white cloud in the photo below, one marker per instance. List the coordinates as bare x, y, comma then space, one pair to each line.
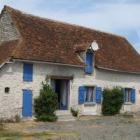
105, 17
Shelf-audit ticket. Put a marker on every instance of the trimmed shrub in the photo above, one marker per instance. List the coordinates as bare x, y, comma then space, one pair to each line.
46, 104
47, 117
112, 101
74, 112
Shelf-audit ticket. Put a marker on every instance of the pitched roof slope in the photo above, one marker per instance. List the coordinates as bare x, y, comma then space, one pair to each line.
57, 42
6, 50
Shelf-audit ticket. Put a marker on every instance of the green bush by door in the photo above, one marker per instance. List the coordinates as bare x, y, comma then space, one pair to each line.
112, 101
46, 104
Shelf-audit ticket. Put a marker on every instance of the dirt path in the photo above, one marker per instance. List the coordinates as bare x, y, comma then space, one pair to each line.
87, 128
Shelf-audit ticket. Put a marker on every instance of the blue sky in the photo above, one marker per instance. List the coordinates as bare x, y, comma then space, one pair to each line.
116, 16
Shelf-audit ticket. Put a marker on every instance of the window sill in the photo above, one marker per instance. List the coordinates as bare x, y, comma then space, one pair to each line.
127, 103
89, 104
27, 81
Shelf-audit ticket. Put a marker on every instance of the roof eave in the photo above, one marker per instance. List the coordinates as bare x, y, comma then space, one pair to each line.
8, 61
47, 62
115, 70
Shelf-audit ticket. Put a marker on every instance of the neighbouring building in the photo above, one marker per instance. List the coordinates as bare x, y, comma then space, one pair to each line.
32, 47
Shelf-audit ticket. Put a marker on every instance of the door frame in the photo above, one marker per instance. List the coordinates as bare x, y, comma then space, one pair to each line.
67, 82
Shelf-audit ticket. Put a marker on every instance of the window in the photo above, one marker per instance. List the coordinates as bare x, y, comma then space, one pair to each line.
130, 95
27, 72
127, 95
90, 94
89, 62
7, 90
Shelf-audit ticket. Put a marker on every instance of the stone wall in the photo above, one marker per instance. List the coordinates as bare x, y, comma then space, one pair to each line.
11, 75
8, 31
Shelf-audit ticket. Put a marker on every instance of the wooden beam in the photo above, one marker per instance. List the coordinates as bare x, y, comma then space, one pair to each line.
61, 77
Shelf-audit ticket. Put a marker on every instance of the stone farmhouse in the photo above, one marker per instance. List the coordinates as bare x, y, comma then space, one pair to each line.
32, 47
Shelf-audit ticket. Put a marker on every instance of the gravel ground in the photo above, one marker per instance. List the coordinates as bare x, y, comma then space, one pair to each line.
94, 128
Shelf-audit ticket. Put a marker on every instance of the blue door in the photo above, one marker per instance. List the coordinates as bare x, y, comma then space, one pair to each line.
27, 103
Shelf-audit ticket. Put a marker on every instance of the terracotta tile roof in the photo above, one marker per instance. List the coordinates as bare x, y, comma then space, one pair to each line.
6, 50
57, 42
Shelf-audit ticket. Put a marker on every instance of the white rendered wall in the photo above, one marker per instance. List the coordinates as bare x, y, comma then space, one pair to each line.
11, 75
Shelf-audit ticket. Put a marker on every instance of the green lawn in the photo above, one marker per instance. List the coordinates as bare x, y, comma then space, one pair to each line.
7, 135
13, 135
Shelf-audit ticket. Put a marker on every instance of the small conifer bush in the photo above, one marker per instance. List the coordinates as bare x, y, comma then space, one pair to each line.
46, 103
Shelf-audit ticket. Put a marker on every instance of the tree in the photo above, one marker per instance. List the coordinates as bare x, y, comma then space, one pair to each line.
46, 103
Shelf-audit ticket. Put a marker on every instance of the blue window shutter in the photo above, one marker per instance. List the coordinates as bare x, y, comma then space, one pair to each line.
133, 95
81, 97
98, 95
89, 63
27, 72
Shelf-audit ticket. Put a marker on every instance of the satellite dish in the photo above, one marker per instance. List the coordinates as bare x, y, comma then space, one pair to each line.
94, 46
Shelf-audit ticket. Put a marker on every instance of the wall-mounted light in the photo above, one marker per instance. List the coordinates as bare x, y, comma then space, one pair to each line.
7, 90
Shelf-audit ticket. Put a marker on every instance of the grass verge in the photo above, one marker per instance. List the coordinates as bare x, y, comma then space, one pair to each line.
8, 135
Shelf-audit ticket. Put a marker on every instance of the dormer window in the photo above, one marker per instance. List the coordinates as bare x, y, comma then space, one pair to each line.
27, 72
89, 62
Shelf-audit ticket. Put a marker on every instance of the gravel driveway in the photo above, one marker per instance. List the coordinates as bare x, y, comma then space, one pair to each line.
95, 128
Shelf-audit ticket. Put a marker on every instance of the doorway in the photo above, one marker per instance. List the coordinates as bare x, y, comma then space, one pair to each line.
27, 103
61, 88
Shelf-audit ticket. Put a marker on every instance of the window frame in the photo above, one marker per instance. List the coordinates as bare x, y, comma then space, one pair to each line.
91, 99
89, 66
25, 79
127, 95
